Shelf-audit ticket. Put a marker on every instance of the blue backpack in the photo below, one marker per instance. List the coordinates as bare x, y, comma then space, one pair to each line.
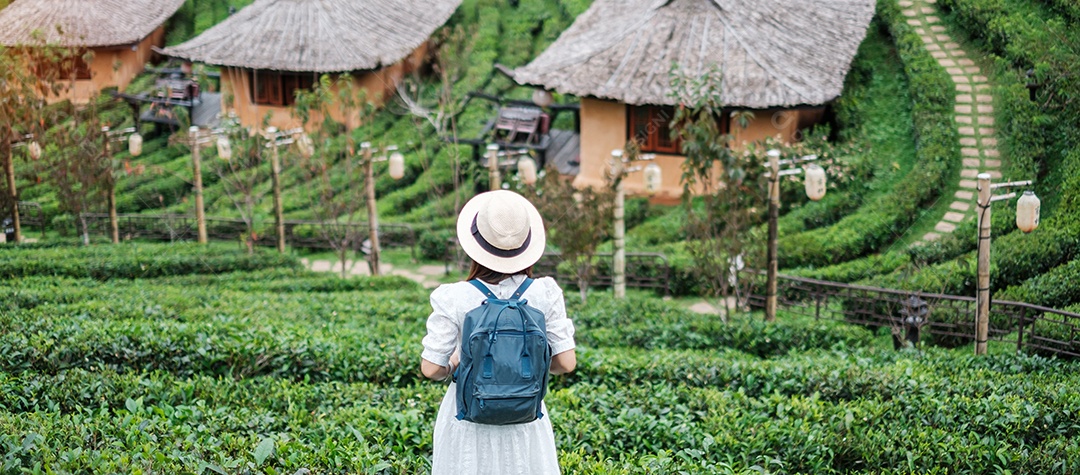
505, 359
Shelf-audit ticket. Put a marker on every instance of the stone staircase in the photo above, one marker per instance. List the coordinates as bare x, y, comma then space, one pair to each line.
974, 112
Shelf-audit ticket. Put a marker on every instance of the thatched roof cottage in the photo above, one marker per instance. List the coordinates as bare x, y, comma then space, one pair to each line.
271, 48
783, 60
119, 33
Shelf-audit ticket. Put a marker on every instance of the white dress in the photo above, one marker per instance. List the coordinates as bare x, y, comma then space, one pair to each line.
466, 448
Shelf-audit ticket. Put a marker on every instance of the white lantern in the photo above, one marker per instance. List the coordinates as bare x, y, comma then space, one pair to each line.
1027, 212
224, 148
542, 98
34, 149
653, 175
135, 144
305, 145
397, 166
815, 182
527, 170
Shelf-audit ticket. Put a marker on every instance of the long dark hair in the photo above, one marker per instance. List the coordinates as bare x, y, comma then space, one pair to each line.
478, 271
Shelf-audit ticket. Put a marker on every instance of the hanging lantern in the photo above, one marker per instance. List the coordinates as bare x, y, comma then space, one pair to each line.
527, 170
542, 98
224, 148
653, 175
135, 145
815, 182
1027, 212
397, 165
34, 149
305, 145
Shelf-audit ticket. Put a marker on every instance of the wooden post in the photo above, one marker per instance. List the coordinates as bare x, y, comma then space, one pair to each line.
373, 212
494, 178
619, 172
982, 298
114, 224
9, 170
275, 175
200, 213
774, 212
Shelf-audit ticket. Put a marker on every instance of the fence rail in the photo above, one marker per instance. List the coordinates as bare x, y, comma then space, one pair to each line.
644, 270
305, 234
948, 320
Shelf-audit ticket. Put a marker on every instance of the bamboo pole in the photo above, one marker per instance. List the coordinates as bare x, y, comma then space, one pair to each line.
275, 175
200, 213
373, 214
619, 271
9, 170
982, 299
774, 212
494, 178
114, 222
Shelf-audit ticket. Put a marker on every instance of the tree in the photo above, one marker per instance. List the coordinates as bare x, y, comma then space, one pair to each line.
20, 115
722, 188
243, 176
577, 220
334, 171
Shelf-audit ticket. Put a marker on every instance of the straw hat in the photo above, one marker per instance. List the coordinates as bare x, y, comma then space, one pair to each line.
501, 230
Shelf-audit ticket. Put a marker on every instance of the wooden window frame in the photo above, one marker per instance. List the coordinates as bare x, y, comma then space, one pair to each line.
656, 120
276, 88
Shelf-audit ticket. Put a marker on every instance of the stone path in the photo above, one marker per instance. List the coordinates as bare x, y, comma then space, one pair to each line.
974, 112
426, 275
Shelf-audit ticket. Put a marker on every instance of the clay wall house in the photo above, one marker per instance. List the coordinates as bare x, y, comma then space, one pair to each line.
272, 48
784, 61
112, 40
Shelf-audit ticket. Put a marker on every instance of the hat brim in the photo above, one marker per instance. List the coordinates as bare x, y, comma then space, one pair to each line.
505, 265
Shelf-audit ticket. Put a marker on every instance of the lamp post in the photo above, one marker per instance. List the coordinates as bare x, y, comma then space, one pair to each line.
134, 141
397, 171
815, 190
224, 149
276, 139
1027, 219
619, 166
34, 150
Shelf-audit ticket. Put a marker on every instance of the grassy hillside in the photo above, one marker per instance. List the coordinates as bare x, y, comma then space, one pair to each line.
893, 126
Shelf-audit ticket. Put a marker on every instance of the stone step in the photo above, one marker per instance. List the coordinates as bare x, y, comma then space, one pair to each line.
986, 120
933, 47
946, 62
968, 141
954, 216
944, 227
969, 173
968, 184
931, 237
939, 54
963, 87
937, 29
964, 119
960, 79
984, 109
962, 109
984, 98
960, 206
969, 152
966, 62
971, 163
967, 130
991, 152
986, 131
972, 70
909, 12
964, 195
928, 10
964, 98
914, 22
992, 163
989, 142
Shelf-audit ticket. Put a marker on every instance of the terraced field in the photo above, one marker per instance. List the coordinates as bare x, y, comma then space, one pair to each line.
120, 360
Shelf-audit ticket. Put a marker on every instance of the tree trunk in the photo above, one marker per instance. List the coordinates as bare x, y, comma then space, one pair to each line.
85, 230
114, 222
583, 281
343, 253
9, 170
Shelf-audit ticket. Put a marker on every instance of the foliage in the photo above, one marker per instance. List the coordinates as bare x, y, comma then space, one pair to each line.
728, 184
280, 371
577, 222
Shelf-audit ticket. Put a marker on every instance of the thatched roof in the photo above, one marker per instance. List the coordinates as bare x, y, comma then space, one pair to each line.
318, 36
83, 23
772, 53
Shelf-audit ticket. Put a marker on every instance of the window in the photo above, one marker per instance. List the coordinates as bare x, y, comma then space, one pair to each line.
274, 88
650, 126
51, 66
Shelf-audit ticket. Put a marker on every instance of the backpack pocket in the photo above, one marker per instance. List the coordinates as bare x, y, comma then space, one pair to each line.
502, 404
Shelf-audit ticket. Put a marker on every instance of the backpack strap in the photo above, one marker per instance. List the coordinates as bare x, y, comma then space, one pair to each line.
482, 288
524, 286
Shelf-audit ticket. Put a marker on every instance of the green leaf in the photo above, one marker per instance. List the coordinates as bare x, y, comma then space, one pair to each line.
264, 450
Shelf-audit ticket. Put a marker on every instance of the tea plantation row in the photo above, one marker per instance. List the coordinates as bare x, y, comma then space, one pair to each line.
274, 370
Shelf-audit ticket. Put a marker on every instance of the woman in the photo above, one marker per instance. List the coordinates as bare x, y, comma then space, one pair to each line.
504, 235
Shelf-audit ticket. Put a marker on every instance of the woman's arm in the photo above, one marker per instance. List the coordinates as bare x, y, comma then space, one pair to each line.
564, 362
436, 372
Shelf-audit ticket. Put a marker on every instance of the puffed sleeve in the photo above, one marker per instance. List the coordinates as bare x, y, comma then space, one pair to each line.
442, 329
560, 328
